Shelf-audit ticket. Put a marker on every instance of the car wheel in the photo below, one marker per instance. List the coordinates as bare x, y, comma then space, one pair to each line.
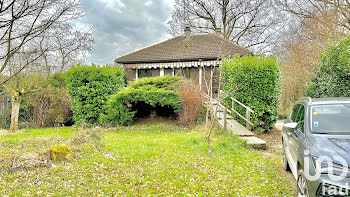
285, 160
303, 189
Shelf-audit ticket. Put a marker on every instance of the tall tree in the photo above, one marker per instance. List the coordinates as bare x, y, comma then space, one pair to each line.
72, 45
22, 83
34, 34
252, 24
302, 52
21, 21
63, 46
310, 8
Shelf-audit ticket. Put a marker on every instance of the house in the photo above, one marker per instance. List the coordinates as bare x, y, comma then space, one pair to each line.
193, 56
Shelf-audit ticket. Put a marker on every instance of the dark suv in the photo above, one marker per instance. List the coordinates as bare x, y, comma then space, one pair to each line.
316, 146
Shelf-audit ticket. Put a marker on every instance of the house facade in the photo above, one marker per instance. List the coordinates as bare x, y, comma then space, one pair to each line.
195, 57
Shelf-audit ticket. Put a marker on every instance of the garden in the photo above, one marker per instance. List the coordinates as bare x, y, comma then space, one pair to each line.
155, 157
88, 131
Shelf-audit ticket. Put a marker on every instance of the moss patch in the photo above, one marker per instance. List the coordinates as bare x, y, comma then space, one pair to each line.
60, 153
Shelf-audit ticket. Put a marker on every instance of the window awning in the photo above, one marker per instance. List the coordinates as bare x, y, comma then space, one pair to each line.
174, 64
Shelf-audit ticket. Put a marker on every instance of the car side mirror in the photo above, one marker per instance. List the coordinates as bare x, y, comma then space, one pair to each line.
291, 125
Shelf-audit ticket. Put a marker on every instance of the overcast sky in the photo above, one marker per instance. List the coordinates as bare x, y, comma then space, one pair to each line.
123, 26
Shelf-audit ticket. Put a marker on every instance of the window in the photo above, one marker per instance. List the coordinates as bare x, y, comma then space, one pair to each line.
300, 118
294, 114
144, 73
331, 119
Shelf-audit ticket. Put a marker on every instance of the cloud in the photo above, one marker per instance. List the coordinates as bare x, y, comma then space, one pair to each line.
123, 26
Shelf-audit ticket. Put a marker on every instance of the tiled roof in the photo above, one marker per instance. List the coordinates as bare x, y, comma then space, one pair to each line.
204, 46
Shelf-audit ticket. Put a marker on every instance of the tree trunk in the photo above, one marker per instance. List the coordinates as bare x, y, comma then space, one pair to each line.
15, 113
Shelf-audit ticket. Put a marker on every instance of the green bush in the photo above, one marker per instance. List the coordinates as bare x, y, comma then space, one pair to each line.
332, 73
154, 92
166, 82
254, 81
49, 107
90, 88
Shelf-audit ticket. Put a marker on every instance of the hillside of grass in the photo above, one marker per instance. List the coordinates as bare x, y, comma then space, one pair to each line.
148, 158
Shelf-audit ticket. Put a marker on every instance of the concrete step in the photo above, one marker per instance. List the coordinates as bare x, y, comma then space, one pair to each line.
240, 130
235, 127
255, 142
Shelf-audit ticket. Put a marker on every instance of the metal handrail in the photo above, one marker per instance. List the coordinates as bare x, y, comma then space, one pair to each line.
248, 111
237, 101
248, 108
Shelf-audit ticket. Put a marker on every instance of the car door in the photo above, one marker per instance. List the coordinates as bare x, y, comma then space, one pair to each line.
297, 136
288, 135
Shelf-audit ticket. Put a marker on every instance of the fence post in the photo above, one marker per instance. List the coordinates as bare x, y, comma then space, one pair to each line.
247, 124
225, 119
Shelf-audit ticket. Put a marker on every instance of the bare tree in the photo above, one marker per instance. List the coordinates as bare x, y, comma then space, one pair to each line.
252, 24
63, 46
302, 52
72, 44
310, 8
33, 35
21, 21
22, 83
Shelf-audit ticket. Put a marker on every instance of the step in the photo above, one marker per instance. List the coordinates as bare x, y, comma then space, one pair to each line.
235, 127
255, 142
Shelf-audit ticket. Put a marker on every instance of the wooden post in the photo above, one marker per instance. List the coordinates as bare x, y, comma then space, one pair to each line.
137, 74
247, 124
200, 77
225, 119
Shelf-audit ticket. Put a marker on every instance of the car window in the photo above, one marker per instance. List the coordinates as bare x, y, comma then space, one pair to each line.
294, 114
329, 119
300, 118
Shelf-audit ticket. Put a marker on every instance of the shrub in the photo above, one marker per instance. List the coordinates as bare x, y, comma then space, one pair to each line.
254, 81
90, 88
332, 73
192, 104
49, 107
166, 82
141, 97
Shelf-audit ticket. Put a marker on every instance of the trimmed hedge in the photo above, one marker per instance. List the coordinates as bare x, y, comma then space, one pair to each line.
90, 88
332, 73
153, 91
254, 81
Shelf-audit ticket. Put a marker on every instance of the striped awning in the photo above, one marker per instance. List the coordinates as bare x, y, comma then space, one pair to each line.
174, 64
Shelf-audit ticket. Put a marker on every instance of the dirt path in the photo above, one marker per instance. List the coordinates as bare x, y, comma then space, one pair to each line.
274, 149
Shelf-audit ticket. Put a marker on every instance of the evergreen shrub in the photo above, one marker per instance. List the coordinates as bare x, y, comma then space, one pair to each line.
332, 77
254, 81
141, 97
90, 88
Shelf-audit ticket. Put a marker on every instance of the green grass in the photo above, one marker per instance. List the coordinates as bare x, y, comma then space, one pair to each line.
145, 159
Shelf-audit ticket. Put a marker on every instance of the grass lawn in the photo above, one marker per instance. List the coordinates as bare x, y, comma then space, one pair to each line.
144, 159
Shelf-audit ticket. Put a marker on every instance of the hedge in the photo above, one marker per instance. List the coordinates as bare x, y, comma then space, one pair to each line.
90, 88
332, 73
153, 91
254, 81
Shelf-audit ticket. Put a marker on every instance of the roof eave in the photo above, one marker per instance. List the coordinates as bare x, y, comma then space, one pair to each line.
172, 60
